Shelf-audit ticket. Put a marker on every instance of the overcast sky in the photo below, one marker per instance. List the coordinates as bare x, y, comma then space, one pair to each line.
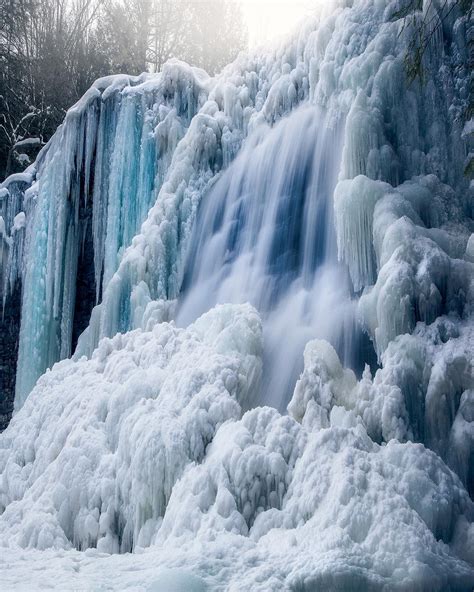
270, 19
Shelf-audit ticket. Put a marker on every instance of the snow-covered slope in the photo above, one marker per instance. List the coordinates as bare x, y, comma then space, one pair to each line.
98, 469
314, 182
145, 444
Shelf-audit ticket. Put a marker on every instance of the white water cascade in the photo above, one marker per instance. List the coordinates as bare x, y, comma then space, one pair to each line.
265, 234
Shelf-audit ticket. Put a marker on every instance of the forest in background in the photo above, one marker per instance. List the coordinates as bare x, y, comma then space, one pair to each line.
51, 51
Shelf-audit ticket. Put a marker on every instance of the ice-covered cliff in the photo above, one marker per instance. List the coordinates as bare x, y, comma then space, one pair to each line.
320, 437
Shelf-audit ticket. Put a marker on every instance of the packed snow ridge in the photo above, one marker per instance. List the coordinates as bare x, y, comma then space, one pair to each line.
186, 245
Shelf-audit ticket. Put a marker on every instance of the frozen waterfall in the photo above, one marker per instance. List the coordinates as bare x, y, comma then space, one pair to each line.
95, 182
265, 234
244, 311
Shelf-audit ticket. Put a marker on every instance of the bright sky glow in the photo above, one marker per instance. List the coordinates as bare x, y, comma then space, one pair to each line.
270, 19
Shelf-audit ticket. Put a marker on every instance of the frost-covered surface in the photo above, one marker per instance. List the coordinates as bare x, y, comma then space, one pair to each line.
145, 444
107, 438
149, 147
148, 441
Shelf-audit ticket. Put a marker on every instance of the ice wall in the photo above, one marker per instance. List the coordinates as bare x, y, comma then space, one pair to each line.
135, 145
350, 65
91, 188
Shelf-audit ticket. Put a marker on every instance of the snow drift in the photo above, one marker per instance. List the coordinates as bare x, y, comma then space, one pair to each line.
315, 183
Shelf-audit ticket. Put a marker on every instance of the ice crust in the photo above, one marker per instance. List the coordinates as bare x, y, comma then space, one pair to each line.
146, 440
147, 149
145, 444
100, 469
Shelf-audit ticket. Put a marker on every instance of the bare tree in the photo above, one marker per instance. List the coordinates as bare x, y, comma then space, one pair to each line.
45, 51
425, 23
124, 31
205, 33
217, 33
168, 31
52, 50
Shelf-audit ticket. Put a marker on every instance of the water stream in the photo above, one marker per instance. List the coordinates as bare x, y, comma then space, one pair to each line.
265, 235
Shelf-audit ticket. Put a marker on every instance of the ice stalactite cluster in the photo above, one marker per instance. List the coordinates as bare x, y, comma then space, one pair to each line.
314, 182
415, 239
93, 186
14, 204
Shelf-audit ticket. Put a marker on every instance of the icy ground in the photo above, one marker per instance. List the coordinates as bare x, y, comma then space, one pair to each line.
145, 444
315, 183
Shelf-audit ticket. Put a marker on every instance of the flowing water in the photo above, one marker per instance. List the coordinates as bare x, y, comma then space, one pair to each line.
265, 235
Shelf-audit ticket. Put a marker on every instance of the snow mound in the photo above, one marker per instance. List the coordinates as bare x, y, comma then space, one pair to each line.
423, 392
145, 444
93, 457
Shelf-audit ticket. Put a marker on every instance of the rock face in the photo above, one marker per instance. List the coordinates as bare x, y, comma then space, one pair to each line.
9, 331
